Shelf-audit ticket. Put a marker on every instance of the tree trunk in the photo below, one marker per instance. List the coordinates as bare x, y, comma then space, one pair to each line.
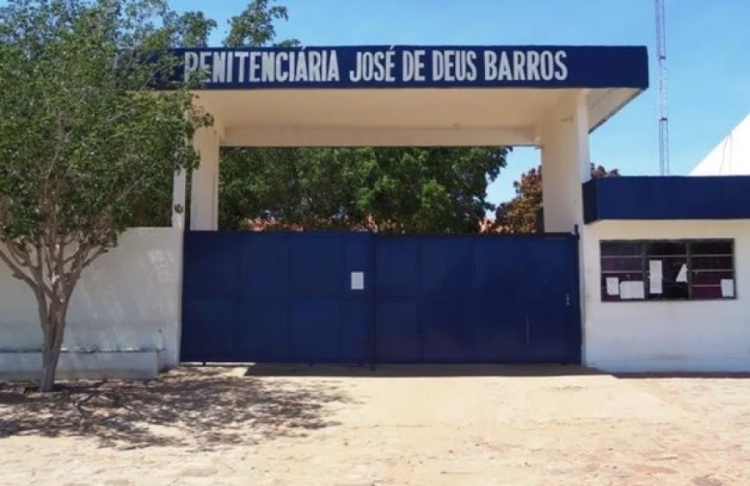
50, 359
53, 326
53, 291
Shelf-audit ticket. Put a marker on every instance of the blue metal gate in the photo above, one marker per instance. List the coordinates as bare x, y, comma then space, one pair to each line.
364, 298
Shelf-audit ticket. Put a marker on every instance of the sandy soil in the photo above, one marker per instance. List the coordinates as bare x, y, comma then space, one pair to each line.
355, 427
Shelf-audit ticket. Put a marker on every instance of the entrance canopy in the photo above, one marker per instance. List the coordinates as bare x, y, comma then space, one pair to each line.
547, 96
407, 95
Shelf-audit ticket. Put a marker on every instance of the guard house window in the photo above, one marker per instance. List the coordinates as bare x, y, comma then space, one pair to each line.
659, 270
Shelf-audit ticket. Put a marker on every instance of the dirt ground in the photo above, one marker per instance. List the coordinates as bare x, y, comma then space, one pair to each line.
355, 427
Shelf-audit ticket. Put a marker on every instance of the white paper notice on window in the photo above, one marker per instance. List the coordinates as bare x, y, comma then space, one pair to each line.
613, 286
682, 276
634, 290
727, 288
655, 276
655, 286
358, 281
655, 269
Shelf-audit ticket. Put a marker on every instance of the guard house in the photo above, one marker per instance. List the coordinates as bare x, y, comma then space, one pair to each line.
631, 274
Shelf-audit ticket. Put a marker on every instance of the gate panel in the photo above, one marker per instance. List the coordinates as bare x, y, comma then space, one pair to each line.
277, 297
263, 265
552, 300
210, 279
500, 310
207, 325
447, 300
355, 332
261, 308
477, 299
397, 290
314, 331
262, 330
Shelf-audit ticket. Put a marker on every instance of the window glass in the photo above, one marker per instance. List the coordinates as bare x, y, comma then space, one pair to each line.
711, 248
711, 263
664, 248
667, 270
619, 248
622, 264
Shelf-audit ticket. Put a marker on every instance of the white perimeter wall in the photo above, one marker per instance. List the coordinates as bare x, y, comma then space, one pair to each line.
127, 300
699, 336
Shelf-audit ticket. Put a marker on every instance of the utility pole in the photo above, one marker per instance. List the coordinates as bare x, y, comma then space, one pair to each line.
661, 55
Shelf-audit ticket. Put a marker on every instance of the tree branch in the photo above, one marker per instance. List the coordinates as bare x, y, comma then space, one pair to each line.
16, 270
83, 258
90, 259
47, 257
20, 257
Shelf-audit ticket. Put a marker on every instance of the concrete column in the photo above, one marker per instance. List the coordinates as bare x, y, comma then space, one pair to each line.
204, 198
565, 163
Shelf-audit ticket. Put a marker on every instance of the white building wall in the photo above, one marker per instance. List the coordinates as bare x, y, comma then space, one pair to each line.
698, 336
128, 300
731, 156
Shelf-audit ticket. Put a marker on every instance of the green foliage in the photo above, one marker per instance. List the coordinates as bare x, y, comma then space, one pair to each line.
520, 214
255, 25
83, 143
79, 141
192, 29
382, 189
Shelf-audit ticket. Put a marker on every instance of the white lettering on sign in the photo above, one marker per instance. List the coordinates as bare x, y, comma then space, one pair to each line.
204, 66
411, 66
219, 70
525, 66
242, 62
191, 64
263, 66
374, 66
451, 65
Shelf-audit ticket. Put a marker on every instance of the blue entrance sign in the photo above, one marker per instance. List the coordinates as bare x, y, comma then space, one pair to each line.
416, 67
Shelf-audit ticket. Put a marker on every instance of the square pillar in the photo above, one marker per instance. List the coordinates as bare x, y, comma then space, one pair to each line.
565, 163
204, 197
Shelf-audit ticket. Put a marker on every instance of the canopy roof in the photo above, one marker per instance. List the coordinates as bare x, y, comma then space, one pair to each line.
406, 95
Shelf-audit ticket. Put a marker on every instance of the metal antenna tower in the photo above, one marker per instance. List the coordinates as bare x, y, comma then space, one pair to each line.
661, 55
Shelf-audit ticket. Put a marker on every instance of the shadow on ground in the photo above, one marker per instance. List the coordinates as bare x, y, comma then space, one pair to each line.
199, 408
418, 371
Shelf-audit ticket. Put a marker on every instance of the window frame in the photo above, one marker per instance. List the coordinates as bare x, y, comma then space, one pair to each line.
644, 257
